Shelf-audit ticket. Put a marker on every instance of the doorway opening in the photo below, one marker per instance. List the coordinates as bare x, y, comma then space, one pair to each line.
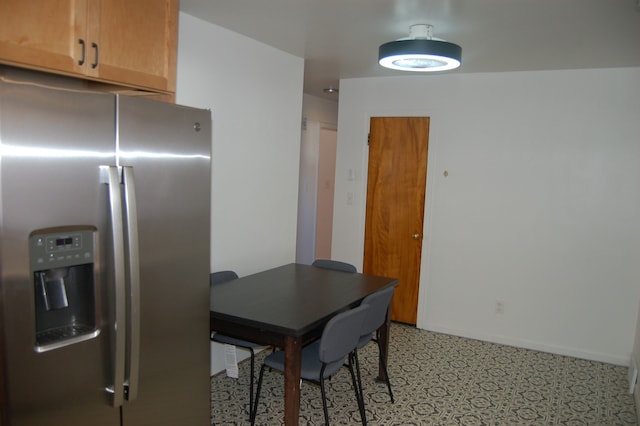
316, 192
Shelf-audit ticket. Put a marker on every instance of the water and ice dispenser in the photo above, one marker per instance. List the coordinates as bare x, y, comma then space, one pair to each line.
62, 265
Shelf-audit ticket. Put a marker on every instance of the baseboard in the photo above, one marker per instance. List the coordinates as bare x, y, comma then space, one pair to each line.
632, 375
636, 399
536, 346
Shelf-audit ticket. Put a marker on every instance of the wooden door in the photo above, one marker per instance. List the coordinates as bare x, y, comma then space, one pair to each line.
396, 185
46, 35
137, 42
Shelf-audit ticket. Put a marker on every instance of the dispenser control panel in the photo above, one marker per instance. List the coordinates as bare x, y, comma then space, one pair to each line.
58, 247
64, 284
62, 243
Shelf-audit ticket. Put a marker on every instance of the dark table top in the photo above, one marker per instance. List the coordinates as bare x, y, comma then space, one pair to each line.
291, 299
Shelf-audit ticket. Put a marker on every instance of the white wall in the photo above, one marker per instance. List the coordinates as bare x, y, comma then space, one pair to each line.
255, 95
320, 110
540, 209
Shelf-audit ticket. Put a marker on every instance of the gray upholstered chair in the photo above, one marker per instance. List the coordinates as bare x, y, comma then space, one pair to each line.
334, 264
324, 357
219, 278
378, 303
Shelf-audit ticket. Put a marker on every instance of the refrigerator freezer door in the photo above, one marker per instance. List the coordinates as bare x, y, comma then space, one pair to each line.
168, 149
53, 143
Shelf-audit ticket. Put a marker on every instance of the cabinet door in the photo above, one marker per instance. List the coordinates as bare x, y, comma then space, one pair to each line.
47, 35
137, 42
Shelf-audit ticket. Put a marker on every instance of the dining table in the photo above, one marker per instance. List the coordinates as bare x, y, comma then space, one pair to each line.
287, 307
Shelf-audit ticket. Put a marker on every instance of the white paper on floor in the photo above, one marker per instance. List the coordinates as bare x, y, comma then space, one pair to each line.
231, 361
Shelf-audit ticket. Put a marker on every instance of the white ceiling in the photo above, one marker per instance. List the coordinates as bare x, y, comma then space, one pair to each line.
340, 38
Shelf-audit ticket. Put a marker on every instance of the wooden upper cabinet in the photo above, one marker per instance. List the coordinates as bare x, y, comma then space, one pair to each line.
120, 42
137, 41
43, 34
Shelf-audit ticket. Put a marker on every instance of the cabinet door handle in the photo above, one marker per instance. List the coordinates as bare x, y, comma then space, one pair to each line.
95, 63
81, 42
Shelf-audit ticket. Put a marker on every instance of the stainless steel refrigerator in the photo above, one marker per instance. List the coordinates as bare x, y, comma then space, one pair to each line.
104, 259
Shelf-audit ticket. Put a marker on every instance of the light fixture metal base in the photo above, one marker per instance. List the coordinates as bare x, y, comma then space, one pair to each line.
420, 52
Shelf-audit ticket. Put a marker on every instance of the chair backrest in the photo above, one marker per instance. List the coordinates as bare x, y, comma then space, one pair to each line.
222, 277
378, 304
340, 335
334, 264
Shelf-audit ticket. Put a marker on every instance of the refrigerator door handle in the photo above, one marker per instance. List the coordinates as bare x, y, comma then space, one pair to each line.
131, 226
110, 176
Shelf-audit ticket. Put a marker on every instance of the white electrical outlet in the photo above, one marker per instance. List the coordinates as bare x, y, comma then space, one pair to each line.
499, 307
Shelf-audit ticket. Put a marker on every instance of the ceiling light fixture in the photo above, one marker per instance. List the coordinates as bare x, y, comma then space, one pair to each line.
420, 52
330, 89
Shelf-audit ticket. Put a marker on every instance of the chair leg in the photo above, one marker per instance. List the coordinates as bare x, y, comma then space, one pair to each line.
324, 399
357, 386
253, 360
254, 410
386, 373
354, 355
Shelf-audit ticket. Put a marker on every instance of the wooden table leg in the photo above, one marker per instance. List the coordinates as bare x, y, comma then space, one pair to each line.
383, 339
292, 362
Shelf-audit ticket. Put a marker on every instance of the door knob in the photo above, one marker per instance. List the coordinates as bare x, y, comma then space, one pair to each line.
415, 236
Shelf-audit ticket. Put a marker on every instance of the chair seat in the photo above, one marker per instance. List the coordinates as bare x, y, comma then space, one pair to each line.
364, 340
324, 357
379, 305
221, 338
310, 366
217, 278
